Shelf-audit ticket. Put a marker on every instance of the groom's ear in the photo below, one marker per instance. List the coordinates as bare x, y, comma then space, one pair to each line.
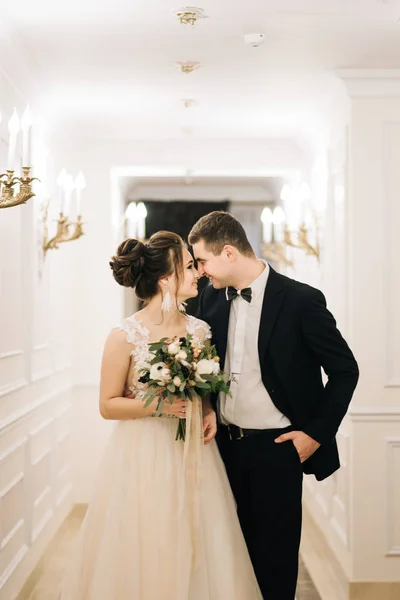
230, 252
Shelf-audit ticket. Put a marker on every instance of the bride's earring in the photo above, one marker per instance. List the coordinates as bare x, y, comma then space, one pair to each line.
167, 303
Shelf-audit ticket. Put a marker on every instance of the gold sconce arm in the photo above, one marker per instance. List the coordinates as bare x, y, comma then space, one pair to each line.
302, 242
275, 252
62, 234
78, 231
8, 181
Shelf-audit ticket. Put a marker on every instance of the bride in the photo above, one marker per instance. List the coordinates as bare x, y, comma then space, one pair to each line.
162, 523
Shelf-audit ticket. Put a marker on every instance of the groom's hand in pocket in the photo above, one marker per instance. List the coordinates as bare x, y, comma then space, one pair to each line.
304, 444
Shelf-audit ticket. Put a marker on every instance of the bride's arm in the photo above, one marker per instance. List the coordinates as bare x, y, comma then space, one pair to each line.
114, 371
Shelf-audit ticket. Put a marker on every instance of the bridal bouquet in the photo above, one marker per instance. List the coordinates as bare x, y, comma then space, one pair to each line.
183, 367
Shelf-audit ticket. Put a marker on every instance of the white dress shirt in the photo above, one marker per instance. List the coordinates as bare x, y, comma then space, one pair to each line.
250, 405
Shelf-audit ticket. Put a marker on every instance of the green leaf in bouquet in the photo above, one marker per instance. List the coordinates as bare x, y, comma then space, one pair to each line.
202, 384
155, 360
149, 397
157, 345
210, 378
170, 397
181, 394
160, 407
171, 388
203, 393
153, 383
191, 393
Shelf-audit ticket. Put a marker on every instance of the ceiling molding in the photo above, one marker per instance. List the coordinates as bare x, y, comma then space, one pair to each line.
376, 83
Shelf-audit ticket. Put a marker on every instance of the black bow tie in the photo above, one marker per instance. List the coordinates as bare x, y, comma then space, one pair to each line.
233, 293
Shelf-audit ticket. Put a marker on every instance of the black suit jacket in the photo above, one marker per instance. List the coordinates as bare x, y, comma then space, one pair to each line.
297, 336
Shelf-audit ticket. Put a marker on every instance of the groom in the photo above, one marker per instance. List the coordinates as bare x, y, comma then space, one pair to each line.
273, 334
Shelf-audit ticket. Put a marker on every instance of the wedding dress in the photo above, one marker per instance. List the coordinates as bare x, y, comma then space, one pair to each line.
162, 523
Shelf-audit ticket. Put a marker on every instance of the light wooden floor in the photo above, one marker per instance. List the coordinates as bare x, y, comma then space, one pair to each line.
46, 580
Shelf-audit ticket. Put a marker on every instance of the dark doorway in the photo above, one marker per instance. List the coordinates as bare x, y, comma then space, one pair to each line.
179, 216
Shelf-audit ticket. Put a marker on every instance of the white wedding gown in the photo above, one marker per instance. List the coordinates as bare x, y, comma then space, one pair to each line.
162, 523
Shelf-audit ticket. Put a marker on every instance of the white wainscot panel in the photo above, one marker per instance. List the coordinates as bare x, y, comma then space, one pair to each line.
391, 161
62, 460
42, 362
340, 507
340, 503
324, 495
393, 497
41, 475
64, 470
12, 508
12, 375
11, 277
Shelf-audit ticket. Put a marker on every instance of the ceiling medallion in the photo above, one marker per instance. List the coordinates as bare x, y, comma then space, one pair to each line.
188, 15
187, 67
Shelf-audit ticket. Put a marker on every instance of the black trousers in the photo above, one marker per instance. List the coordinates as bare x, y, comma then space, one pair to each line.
266, 480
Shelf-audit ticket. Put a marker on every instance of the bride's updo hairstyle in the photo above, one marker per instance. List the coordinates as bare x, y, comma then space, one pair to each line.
140, 266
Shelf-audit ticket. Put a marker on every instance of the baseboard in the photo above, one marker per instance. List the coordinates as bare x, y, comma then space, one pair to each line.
327, 573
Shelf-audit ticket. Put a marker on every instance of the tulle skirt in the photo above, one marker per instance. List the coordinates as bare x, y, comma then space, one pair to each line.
160, 526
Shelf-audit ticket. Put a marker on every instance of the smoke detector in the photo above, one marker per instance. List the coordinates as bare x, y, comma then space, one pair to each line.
254, 39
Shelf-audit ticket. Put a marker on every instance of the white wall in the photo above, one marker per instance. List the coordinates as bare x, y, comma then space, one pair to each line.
35, 367
374, 286
358, 509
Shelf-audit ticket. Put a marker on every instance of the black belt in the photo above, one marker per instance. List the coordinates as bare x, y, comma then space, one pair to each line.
238, 433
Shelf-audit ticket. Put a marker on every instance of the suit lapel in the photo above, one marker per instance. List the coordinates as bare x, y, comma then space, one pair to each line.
220, 324
272, 303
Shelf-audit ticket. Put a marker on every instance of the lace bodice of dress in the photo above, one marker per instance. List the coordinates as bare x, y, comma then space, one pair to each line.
138, 336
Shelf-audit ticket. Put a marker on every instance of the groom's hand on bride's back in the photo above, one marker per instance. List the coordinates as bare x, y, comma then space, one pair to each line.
209, 424
304, 444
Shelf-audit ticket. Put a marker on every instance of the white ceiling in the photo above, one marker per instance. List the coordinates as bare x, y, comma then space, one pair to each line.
106, 68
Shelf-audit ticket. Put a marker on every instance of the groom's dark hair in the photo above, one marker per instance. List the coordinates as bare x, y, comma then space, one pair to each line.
218, 229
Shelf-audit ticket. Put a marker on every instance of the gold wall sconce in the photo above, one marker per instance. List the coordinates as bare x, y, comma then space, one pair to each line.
8, 180
303, 242
298, 197
67, 230
273, 235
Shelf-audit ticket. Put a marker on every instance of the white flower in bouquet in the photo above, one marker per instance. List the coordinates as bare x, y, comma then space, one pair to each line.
159, 372
177, 381
216, 368
204, 367
182, 355
173, 348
